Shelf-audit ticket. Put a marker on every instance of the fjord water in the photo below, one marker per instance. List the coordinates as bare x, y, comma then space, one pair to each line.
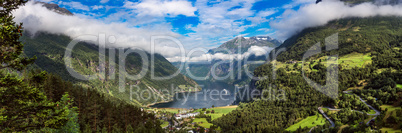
210, 95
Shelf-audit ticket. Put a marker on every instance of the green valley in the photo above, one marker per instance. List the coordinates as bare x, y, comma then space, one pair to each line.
362, 53
50, 51
74, 66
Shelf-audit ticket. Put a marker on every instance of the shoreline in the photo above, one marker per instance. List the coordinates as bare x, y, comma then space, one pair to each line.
230, 106
152, 104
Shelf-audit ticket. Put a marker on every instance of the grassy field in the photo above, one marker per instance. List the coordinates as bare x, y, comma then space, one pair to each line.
399, 85
204, 123
171, 110
183, 87
368, 119
219, 111
341, 128
389, 107
391, 111
371, 112
390, 130
351, 60
347, 61
164, 123
309, 122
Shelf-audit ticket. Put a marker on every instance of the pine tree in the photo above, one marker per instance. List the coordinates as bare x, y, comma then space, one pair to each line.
23, 107
72, 125
10, 46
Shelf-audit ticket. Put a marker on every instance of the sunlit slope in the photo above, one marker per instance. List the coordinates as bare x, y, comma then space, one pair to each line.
50, 50
369, 59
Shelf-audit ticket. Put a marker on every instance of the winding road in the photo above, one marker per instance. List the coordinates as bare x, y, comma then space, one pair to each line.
332, 109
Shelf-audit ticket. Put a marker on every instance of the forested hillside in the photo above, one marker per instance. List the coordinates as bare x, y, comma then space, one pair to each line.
31, 100
369, 66
88, 109
50, 50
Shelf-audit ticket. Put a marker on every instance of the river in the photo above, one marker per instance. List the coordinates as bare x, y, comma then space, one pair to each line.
213, 93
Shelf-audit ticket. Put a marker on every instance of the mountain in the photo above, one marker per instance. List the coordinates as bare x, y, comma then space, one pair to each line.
369, 73
245, 43
223, 69
50, 51
377, 2
55, 8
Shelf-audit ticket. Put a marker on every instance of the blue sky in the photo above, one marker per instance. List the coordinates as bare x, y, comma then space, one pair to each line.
213, 22
189, 25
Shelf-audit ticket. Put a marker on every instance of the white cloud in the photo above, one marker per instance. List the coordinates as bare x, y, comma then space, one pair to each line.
37, 18
253, 50
221, 21
96, 7
311, 15
161, 8
149, 12
296, 3
48, 1
261, 16
264, 29
104, 1
75, 5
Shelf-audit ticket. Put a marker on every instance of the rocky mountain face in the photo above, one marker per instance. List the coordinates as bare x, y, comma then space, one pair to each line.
245, 43
56, 8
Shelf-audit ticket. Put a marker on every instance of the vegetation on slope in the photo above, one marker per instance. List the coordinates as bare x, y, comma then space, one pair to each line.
308, 122
34, 101
378, 38
50, 50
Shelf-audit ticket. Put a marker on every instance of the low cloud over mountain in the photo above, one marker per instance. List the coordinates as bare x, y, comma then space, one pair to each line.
311, 15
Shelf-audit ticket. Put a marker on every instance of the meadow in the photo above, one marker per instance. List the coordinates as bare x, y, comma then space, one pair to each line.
203, 122
309, 122
219, 111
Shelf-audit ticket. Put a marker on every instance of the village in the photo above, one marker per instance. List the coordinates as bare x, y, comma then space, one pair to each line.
190, 120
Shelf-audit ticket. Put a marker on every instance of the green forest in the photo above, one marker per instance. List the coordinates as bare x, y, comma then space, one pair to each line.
50, 49
37, 93
33, 100
375, 81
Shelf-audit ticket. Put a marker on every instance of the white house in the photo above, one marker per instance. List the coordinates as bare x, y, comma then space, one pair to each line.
181, 116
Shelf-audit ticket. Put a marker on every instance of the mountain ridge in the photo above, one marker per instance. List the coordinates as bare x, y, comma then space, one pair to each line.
204, 70
56, 8
245, 43
369, 65
50, 50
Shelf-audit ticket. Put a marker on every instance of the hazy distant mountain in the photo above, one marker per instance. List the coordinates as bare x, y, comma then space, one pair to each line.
245, 43
56, 8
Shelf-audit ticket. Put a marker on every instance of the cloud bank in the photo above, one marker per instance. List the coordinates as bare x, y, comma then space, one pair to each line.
221, 21
253, 50
36, 18
161, 8
311, 15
